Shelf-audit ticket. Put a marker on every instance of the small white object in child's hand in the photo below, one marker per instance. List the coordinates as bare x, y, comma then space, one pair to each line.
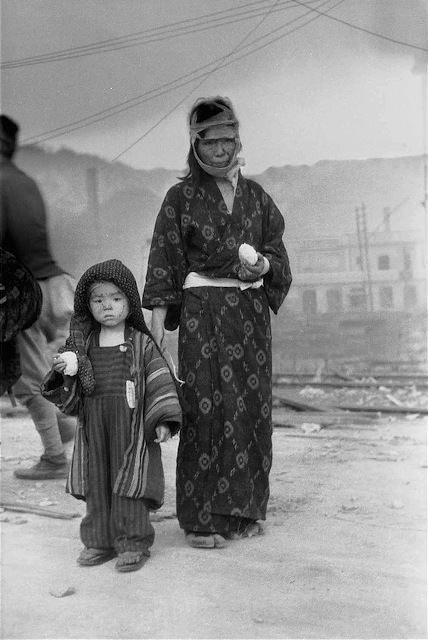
247, 254
71, 365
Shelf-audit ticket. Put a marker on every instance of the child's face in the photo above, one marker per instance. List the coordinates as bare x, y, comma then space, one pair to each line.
108, 304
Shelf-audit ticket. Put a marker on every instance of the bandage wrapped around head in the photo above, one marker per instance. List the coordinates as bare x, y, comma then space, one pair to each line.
214, 112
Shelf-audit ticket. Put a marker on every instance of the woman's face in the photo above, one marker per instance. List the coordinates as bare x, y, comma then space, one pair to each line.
217, 146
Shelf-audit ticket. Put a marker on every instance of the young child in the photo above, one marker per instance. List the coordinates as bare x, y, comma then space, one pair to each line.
112, 375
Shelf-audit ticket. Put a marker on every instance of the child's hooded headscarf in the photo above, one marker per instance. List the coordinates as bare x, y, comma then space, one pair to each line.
116, 272
82, 322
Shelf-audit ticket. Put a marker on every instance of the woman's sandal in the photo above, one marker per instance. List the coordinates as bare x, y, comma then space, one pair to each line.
219, 541
205, 541
131, 560
252, 529
89, 557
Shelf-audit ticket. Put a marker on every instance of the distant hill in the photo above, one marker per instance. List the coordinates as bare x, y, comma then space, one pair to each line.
317, 200
320, 200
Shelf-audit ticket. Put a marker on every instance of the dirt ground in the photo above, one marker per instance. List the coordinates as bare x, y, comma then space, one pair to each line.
343, 555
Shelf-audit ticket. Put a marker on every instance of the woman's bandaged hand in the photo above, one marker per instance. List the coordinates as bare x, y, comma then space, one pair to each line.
253, 264
66, 363
247, 255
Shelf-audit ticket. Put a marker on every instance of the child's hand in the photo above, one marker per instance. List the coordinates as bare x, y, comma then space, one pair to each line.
59, 364
163, 433
66, 363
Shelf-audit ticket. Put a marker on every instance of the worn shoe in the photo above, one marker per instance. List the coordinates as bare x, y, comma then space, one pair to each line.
219, 541
205, 540
45, 469
131, 560
200, 541
89, 557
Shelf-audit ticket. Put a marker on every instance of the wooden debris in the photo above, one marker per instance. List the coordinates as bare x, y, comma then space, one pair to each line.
290, 400
342, 376
332, 420
62, 591
21, 507
342, 380
293, 401
357, 384
394, 400
381, 409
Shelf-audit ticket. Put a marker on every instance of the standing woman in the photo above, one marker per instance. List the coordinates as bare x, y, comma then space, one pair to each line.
201, 279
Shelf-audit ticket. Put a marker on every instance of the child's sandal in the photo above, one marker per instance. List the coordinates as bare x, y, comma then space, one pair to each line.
89, 557
131, 560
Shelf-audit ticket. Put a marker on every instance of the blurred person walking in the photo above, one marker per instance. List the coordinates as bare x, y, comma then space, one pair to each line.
24, 233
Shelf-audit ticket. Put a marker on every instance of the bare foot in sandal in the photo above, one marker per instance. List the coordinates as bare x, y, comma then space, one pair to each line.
205, 540
250, 530
89, 557
131, 560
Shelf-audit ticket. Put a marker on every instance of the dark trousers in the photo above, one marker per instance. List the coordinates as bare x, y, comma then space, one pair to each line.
111, 521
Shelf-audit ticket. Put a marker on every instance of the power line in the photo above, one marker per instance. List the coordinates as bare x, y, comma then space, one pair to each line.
166, 87
155, 34
178, 104
129, 36
354, 26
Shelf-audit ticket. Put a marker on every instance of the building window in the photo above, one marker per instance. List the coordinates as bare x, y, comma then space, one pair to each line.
410, 296
357, 299
309, 301
386, 298
383, 263
407, 262
334, 300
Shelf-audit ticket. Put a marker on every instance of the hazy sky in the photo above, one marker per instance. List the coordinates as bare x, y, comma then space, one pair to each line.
323, 91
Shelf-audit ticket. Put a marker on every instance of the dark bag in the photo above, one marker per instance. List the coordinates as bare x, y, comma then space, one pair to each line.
20, 306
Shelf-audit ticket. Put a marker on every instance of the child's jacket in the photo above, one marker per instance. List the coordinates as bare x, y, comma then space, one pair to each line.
156, 401
156, 398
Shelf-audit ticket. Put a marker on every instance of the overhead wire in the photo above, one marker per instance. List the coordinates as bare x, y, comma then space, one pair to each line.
180, 102
133, 35
155, 34
179, 82
363, 29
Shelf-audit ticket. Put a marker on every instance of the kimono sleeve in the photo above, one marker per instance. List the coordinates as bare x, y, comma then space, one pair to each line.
161, 403
278, 280
166, 269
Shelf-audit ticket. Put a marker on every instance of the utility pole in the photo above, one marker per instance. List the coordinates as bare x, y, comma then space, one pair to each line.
425, 211
92, 204
92, 191
363, 246
386, 219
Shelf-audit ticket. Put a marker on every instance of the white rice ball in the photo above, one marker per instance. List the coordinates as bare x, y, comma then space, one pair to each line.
71, 366
247, 254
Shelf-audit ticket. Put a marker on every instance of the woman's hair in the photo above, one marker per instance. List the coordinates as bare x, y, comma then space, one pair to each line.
204, 111
8, 136
194, 171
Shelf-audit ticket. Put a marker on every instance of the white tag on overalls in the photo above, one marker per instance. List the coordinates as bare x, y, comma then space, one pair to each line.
130, 394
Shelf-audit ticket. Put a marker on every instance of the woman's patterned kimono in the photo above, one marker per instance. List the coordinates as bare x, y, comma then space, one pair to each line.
225, 450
